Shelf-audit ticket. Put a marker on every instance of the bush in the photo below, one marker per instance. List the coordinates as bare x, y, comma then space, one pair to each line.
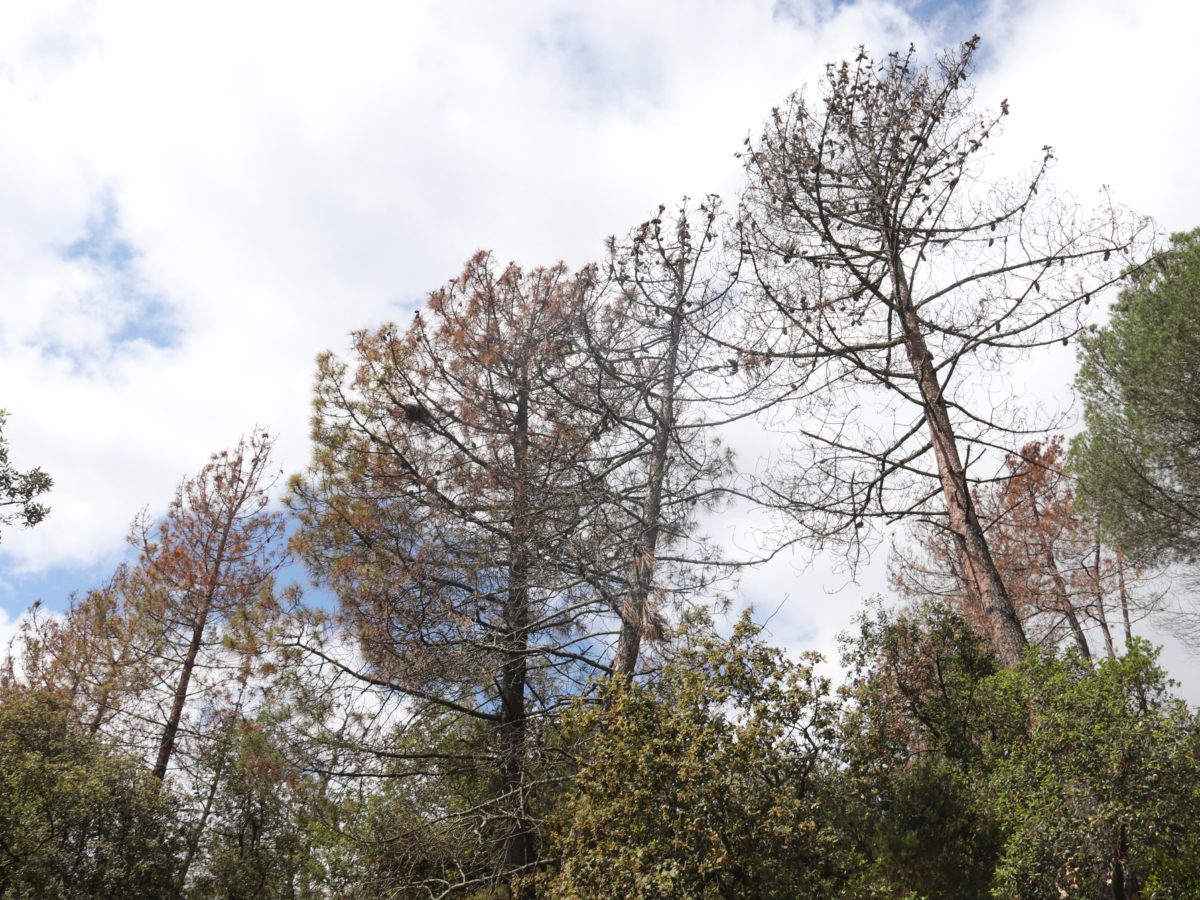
78, 820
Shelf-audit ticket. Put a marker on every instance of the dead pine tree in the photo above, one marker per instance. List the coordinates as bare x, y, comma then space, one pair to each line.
103, 655
169, 644
898, 283
662, 388
211, 560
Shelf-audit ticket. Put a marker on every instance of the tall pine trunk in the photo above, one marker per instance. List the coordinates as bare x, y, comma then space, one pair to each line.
984, 583
519, 849
645, 552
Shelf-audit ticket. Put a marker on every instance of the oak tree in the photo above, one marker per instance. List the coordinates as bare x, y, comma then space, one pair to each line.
79, 819
19, 490
709, 780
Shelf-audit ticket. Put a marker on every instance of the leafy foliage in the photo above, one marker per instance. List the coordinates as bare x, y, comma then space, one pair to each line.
78, 820
1095, 781
909, 741
1056, 778
19, 490
708, 785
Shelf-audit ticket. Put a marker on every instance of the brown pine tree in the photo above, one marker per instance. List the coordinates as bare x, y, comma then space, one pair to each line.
209, 563
1064, 581
450, 505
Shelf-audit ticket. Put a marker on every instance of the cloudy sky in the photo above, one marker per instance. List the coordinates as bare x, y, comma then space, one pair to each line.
196, 199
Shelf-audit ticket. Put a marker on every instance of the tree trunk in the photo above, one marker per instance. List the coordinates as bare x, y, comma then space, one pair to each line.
1124, 598
97, 720
983, 578
1124, 881
193, 844
641, 578
1060, 584
167, 744
1101, 614
1064, 604
519, 850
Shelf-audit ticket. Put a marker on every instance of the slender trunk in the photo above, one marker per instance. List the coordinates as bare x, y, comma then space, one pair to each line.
1124, 598
1124, 881
1101, 614
193, 845
1060, 584
73, 691
519, 850
167, 744
1118, 880
324, 811
984, 583
218, 772
113, 667
641, 578
98, 719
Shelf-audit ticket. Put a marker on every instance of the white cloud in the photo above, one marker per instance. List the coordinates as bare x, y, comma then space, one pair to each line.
288, 171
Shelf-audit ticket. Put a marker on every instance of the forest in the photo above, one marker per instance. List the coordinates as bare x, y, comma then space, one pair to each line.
528, 680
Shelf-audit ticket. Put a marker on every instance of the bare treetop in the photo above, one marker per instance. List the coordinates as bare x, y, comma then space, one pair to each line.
894, 281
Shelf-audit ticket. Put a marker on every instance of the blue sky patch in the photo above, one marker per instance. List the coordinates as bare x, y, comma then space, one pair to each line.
125, 306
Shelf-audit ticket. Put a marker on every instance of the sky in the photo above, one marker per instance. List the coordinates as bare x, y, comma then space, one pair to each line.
196, 200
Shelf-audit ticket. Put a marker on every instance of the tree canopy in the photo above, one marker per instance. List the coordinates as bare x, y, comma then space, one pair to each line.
891, 276
79, 820
1139, 377
516, 673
